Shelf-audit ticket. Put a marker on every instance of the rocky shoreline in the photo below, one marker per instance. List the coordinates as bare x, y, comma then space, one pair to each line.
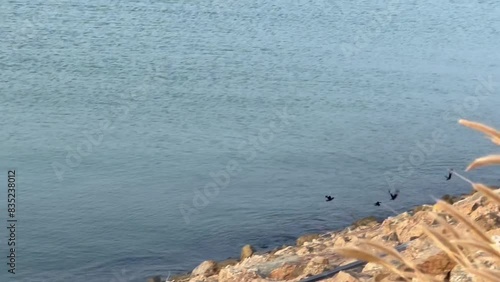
314, 254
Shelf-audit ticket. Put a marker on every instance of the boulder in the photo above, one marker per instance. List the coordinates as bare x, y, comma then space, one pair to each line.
286, 272
433, 260
412, 228
316, 266
265, 268
246, 252
206, 268
306, 238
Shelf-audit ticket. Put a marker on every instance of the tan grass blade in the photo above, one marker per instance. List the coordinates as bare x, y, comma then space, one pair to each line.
487, 248
366, 256
394, 253
389, 251
487, 192
457, 215
495, 140
484, 161
490, 131
442, 222
452, 251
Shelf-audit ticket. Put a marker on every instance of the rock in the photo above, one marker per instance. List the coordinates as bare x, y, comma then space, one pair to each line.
286, 272
348, 276
154, 279
230, 274
422, 208
224, 263
266, 267
372, 268
367, 221
342, 241
305, 251
494, 234
203, 279
286, 251
316, 266
180, 277
246, 252
306, 238
253, 261
432, 260
458, 274
411, 228
391, 237
206, 268
488, 221
451, 199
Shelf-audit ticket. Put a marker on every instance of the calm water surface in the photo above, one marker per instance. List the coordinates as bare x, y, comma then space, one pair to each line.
170, 92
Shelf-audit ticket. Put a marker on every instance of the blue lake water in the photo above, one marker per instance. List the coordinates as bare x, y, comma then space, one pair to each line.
118, 115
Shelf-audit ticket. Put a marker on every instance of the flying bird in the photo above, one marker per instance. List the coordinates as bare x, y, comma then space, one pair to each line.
450, 173
377, 204
395, 195
329, 198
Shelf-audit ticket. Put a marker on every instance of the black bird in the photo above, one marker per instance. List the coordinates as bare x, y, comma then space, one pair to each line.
450, 173
395, 195
377, 204
329, 198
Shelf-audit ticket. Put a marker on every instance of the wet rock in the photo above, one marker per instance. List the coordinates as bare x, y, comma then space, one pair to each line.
206, 268
306, 238
224, 263
367, 221
246, 252
154, 279
180, 277
450, 199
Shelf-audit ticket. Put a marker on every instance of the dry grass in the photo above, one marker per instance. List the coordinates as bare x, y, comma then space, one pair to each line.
489, 131
461, 247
